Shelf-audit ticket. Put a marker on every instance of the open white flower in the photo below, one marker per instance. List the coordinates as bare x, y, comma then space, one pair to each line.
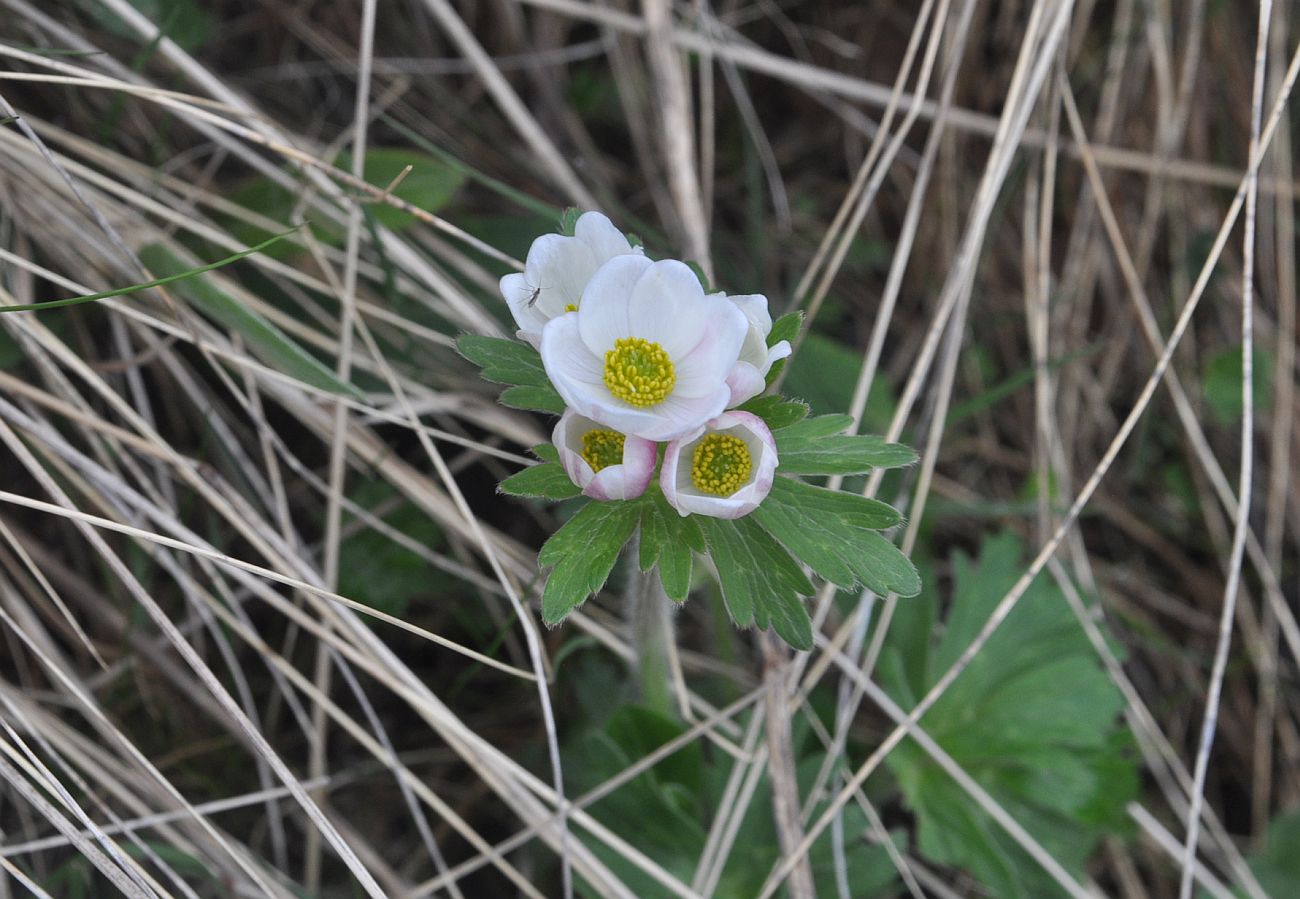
558, 269
748, 377
723, 470
647, 353
604, 463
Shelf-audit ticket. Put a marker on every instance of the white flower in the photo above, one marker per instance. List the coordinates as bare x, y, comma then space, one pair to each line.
647, 353
604, 463
748, 377
557, 270
723, 470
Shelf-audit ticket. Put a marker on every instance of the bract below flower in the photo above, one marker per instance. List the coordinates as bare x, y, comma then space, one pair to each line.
604, 463
647, 353
723, 470
748, 377
557, 270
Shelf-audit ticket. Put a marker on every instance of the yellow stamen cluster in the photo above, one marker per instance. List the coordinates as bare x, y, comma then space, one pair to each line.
570, 307
721, 464
602, 449
639, 372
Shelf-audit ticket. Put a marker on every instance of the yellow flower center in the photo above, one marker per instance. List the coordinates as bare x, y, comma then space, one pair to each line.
602, 449
639, 372
570, 307
721, 464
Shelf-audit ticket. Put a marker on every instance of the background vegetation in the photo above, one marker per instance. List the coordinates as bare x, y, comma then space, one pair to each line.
269, 631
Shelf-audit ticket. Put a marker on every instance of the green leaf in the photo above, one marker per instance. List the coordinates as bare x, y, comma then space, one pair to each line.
785, 328
777, 411
814, 446
760, 583
569, 220
582, 553
1221, 383
1034, 719
825, 375
504, 361
380, 572
429, 185
670, 541
546, 452
832, 533
546, 480
1277, 866
533, 399
275, 347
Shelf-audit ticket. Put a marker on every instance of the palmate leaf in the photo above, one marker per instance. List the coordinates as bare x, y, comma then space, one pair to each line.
777, 411
669, 541
546, 480
582, 553
834, 534
817, 446
504, 361
761, 584
533, 398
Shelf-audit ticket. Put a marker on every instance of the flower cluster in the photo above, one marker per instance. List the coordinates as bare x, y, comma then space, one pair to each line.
641, 356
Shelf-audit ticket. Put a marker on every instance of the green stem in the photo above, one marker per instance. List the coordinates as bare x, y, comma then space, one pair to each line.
650, 613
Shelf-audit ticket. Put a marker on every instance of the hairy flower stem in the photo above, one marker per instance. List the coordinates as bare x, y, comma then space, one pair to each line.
650, 612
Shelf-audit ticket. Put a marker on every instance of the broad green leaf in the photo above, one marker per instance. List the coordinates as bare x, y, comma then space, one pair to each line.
546, 480
430, 184
546, 452
828, 539
1221, 383
1034, 719
382, 573
761, 584
824, 375
534, 399
836, 453
582, 552
818, 503
1277, 865
504, 361
275, 347
777, 411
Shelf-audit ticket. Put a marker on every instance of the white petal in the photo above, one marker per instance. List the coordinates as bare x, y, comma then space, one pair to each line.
558, 268
600, 235
576, 373
603, 311
517, 294
668, 307
780, 350
567, 437
667, 421
709, 360
754, 306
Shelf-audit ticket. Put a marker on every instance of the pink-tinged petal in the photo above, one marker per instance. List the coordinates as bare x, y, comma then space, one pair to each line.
669, 471
575, 372
745, 382
629, 479
567, 438
668, 306
603, 312
675, 475
600, 235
